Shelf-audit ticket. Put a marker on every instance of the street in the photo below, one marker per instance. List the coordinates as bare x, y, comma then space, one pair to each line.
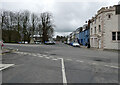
60, 63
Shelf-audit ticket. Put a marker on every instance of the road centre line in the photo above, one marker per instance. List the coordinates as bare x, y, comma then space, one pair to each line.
51, 56
40, 55
63, 72
47, 57
114, 67
54, 59
111, 66
94, 63
44, 55
34, 55
69, 59
79, 61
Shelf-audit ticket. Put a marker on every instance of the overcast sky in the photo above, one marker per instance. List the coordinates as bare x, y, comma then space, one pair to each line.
68, 14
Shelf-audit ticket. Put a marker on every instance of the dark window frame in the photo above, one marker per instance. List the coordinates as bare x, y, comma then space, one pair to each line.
109, 16
118, 35
95, 30
117, 9
114, 36
99, 28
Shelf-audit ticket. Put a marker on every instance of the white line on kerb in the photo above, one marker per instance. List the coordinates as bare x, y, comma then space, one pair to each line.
63, 72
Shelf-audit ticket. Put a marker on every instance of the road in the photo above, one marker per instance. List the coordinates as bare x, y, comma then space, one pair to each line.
59, 63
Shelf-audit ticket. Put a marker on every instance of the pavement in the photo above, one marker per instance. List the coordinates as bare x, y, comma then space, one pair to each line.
5, 51
59, 63
5, 66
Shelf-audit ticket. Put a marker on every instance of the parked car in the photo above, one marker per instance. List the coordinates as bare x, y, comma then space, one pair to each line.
49, 42
37, 42
76, 44
71, 43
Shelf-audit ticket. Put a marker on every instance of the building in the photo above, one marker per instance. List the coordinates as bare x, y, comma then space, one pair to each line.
80, 35
84, 35
104, 32
77, 31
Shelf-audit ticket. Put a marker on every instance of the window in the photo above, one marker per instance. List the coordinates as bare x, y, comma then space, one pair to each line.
118, 35
99, 28
113, 35
99, 19
91, 30
109, 16
95, 21
117, 9
95, 30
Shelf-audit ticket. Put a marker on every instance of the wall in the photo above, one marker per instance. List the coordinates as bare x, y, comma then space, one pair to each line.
111, 25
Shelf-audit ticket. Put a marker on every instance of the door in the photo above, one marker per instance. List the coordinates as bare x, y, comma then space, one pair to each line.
99, 43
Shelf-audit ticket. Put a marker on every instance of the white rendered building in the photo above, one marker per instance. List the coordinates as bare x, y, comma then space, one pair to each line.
104, 29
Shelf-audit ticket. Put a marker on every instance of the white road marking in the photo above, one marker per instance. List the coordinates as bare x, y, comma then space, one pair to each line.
34, 55
94, 63
44, 55
4, 66
79, 61
111, 66
58, 58
47, 57
54, 59
114, 66
25, 53
63, 72
40, 56
69, 59
51, 56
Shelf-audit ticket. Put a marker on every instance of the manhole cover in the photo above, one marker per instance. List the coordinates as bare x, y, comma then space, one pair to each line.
52, 54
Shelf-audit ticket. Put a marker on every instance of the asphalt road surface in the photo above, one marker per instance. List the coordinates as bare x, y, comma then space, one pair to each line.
59, 63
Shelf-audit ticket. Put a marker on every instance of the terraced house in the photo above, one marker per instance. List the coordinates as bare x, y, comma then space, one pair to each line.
104, 29
84, 35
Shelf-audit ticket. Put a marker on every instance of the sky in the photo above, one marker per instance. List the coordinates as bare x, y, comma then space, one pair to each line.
68, 15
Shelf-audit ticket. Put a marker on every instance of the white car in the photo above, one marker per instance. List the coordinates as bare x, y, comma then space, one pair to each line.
76, 45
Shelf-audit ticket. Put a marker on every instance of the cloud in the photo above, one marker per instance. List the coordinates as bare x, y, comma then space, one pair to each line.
68, 14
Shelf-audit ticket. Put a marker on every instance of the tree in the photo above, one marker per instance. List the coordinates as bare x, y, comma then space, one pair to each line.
26, 17
34, 21
20, 26
47, 26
